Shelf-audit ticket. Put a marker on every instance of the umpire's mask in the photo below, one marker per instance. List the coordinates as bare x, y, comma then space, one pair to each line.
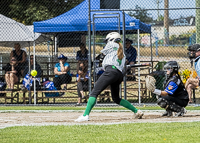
192, 52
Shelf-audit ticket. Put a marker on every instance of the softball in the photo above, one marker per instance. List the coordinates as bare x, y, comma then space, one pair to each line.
33, 72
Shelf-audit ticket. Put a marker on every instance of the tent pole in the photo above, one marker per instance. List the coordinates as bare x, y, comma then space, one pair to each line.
151, 52
89, 48
120, 86
29, 70
138, 32
34, 69
94, 52
124, 45
55, 47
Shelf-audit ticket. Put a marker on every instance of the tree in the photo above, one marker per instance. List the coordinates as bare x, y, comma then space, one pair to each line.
141, 14
28, 11
4, 10
166, 22
160, 18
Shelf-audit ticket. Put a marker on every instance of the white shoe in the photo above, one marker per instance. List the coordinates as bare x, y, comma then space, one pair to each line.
139, 114
82, 118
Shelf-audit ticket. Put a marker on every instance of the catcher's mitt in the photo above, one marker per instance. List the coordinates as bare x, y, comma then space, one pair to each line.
150, 83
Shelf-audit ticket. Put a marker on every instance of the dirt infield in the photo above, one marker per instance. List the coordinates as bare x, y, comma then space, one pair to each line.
96, 118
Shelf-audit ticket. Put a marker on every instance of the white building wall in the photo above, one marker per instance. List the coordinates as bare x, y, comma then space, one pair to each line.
173, 30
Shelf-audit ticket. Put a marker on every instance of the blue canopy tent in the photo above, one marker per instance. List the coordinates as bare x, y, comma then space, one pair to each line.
76, 20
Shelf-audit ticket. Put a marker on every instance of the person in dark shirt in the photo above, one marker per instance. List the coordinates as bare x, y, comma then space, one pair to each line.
175, 97
20, 56
82, 82
12, 73
82, 55
37, 68
131, 55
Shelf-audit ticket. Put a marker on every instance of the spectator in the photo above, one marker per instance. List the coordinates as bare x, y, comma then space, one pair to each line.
82, 55
20, 56
62, 73
27, 74
12, 73
82, 82
190, 84
131, 55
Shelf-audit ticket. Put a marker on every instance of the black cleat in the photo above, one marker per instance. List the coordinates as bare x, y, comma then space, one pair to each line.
181, 113
167, 113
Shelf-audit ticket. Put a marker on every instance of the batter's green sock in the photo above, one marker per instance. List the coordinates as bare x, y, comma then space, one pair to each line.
90, 105
128, 105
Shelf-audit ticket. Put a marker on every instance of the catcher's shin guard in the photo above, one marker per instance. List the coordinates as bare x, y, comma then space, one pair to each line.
174, 107
163, 103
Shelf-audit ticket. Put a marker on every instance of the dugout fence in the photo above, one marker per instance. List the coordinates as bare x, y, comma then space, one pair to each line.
174, 26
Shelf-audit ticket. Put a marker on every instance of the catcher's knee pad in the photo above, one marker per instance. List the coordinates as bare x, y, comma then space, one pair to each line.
163, 103
174, 107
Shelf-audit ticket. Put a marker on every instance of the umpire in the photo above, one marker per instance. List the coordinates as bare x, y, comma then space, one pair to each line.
113, 64
194, 53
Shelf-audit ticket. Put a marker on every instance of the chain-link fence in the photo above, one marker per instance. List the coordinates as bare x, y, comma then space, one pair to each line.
55, 39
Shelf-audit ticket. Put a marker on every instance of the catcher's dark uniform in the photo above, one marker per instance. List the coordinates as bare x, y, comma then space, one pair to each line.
177, 92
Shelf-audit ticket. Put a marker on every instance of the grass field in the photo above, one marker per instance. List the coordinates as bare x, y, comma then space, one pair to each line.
176, 132
126, 133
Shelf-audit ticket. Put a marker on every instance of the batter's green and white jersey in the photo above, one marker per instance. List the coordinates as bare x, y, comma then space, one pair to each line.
111, 57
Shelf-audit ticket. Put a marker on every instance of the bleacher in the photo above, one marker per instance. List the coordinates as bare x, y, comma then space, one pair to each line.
18, 96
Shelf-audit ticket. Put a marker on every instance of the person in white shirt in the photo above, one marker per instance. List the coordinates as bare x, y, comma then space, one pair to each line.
113, 64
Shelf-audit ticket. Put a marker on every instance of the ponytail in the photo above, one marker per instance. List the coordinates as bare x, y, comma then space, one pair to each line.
120, 52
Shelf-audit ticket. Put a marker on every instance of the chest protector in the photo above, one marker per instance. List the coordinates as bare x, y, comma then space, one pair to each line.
180, 92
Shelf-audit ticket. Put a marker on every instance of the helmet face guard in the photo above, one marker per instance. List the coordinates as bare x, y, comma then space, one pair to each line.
173, 67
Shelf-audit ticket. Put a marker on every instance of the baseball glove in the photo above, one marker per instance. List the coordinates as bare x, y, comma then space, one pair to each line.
150, 83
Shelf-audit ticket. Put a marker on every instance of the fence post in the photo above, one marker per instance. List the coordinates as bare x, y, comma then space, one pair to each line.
197, 21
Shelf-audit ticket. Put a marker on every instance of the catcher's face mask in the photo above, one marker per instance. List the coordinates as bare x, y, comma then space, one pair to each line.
167, 71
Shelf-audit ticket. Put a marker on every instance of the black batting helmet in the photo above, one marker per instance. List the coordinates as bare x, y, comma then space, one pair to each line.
192, 50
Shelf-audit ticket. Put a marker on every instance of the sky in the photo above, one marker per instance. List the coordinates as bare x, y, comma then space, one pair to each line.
151, 4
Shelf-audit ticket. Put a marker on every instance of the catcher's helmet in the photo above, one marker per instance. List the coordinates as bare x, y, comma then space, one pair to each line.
113, 36
192, 50
173, 65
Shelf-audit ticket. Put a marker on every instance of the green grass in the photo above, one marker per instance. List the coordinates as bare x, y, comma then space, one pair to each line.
82, 108
126, 133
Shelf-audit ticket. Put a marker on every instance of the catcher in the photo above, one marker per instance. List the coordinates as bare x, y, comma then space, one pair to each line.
175, 97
